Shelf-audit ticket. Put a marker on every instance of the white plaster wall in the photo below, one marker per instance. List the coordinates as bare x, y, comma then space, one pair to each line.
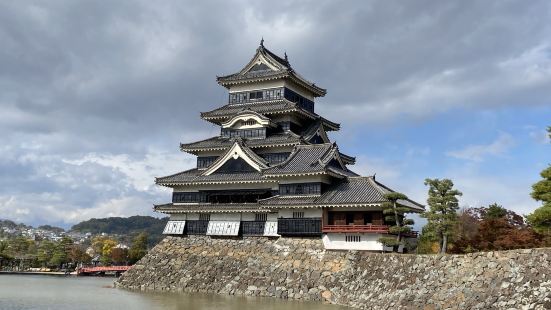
178, 217
272, 216
337, 242
369, 242
225, 216
255, 86
193, 216
308, 212
247, 216
191, 188
272, 84
305, 179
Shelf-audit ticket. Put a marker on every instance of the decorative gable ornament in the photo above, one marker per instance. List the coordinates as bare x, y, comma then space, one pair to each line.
238, 150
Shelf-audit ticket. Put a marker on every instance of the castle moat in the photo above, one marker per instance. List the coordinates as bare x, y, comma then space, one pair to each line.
18, 292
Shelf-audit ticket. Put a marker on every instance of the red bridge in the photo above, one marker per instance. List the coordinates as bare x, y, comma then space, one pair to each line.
103, 269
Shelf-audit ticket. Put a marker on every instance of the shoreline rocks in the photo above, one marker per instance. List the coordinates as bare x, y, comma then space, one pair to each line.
300, 268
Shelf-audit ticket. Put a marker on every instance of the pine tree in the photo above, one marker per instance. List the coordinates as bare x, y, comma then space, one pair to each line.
395, 214
442, 215
540, 219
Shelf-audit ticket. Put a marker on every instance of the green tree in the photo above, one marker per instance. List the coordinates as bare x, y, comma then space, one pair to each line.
540, 219
395, 214
45, 252
3, 246
18, 246
138, 248
442, 214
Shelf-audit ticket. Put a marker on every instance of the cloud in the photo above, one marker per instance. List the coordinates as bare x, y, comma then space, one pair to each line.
96, 98
478, 153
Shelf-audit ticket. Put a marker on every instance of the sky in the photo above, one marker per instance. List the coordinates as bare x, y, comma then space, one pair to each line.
95, 97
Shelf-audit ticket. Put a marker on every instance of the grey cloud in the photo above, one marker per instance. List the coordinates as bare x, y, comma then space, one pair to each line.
124, 77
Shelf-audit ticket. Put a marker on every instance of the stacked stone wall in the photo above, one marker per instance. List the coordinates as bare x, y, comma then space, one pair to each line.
300, 268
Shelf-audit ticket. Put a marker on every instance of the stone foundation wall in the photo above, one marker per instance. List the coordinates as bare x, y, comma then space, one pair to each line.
300, 268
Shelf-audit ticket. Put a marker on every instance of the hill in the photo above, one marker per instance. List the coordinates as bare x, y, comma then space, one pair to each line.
126, 228
11, 224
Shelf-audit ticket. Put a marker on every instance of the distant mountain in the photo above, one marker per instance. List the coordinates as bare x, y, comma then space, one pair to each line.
12, 224
52, 228
126, 228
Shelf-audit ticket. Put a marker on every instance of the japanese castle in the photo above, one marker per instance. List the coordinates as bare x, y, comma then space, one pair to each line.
273, 171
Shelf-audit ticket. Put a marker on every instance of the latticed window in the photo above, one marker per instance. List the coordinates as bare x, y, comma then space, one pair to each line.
249, 122
261, 217
352, 238
298, 214
204, 216
244, 133
188, 197
300, 189
258, 95
275, 158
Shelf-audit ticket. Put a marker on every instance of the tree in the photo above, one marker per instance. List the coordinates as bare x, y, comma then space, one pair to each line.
18, 246
78, 255
108, 245
441, 216
119, 256
395, 214
61, 252
540, 219
466, 230
493, 228
45, 252
103, 245
138, 248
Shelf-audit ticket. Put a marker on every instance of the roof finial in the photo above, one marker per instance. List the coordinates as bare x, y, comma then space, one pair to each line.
286, 59
262, 41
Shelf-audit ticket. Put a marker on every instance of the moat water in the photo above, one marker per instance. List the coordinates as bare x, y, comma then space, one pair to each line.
68, 293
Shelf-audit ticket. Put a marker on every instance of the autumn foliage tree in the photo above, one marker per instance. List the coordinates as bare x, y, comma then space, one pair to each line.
493, 228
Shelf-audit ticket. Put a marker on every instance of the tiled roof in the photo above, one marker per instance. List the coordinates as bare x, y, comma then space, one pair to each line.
228, 111
353, 190
311, 158
349, 191
283, 70
288, 200
220, 143
211, 208
194, 176
262, 107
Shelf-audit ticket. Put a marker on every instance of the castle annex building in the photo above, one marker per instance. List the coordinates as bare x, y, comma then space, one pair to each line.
273, 171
